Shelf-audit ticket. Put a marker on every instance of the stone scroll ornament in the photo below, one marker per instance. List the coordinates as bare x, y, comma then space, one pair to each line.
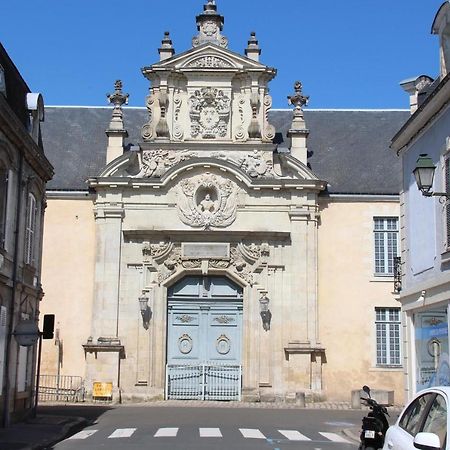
207, 201
209, 111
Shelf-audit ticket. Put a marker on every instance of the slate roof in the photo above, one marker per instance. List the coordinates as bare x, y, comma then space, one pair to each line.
348, 148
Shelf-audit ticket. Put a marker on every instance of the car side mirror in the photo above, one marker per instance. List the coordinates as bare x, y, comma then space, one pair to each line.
427, 441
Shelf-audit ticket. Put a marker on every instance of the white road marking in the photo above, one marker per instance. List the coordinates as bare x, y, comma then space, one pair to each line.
334, 437
294, 435
83, 434
210, 432
122, 433
251, 433
166, 432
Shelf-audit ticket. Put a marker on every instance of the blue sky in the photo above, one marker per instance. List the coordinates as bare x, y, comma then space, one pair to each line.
348, 53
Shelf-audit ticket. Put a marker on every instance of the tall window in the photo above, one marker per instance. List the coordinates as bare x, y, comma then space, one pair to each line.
387, 325
30, 229
3, 202
386, 244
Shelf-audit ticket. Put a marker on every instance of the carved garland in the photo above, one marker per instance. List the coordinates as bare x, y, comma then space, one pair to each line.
245, 260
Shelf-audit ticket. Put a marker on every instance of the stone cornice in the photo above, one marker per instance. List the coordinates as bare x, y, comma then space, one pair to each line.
206, 236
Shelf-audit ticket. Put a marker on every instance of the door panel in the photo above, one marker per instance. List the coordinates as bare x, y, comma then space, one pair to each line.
204, 321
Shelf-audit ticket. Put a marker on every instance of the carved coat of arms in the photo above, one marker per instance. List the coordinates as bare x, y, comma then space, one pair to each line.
209, 110
207, 201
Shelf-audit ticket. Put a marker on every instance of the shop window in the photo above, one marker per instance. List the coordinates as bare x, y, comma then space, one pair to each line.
388, 336
30, 230
386, 244
431, 344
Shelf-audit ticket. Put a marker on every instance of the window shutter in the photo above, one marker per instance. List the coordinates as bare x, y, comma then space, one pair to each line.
447, 206
22, 369
3, 314
30, 229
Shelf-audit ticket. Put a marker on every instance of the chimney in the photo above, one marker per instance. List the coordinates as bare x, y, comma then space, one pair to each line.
414, 86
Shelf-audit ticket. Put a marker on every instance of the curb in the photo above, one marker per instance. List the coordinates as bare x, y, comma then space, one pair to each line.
75, 424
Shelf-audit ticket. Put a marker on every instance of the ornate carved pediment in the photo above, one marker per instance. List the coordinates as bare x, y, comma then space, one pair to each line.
206, 201
245, 259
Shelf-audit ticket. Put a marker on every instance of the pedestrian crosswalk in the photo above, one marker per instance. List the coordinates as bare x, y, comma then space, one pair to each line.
246, 433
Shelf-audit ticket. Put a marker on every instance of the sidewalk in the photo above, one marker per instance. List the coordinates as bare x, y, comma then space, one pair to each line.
39, 433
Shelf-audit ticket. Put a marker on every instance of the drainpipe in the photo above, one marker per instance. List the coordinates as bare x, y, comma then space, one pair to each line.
7, 385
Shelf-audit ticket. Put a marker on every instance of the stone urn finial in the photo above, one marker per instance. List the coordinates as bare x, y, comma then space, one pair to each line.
298, 99
117, 98
209, 25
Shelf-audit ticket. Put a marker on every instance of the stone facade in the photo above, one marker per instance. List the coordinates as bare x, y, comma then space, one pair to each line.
207, 192
24, 171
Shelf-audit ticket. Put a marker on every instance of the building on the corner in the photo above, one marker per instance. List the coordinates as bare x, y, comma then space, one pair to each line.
24, 171
425, 253
210, 247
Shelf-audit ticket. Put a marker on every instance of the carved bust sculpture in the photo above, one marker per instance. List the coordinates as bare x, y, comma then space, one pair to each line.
207, 205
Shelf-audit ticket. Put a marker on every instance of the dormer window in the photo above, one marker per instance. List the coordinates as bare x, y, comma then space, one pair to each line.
35, 105
441, 27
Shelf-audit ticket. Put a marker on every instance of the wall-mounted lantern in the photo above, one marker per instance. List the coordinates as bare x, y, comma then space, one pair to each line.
266, 315
424, 174
146, 311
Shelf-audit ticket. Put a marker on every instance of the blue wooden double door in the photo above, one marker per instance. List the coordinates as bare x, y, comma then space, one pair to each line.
204, 338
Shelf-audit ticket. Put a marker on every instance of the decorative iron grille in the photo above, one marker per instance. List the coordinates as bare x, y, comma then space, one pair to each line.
203, 381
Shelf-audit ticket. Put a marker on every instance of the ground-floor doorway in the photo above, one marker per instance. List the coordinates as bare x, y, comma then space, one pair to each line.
204, 339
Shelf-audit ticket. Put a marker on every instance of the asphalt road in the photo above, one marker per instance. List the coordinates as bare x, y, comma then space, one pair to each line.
203, 428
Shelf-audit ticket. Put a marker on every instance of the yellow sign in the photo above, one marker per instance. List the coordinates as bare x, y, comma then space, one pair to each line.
101, 389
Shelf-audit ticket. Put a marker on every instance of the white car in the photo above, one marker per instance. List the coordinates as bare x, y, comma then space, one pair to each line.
423, 422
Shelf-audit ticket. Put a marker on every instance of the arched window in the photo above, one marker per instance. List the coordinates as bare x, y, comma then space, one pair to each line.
3, 202
30, 230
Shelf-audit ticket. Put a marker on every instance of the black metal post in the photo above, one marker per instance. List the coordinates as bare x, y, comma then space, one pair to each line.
38, 374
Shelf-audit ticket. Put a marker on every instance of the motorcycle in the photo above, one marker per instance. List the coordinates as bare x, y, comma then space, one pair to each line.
374, 424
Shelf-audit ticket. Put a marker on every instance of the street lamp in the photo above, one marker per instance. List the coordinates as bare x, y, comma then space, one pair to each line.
264, 311
145, 309
424, 174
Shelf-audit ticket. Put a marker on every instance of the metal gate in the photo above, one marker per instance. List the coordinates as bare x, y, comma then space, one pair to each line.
62, 388
203, 382
204, 331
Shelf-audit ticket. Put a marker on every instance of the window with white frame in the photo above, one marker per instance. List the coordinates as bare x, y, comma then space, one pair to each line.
3, 202
387, 325
386, 244
30, 230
